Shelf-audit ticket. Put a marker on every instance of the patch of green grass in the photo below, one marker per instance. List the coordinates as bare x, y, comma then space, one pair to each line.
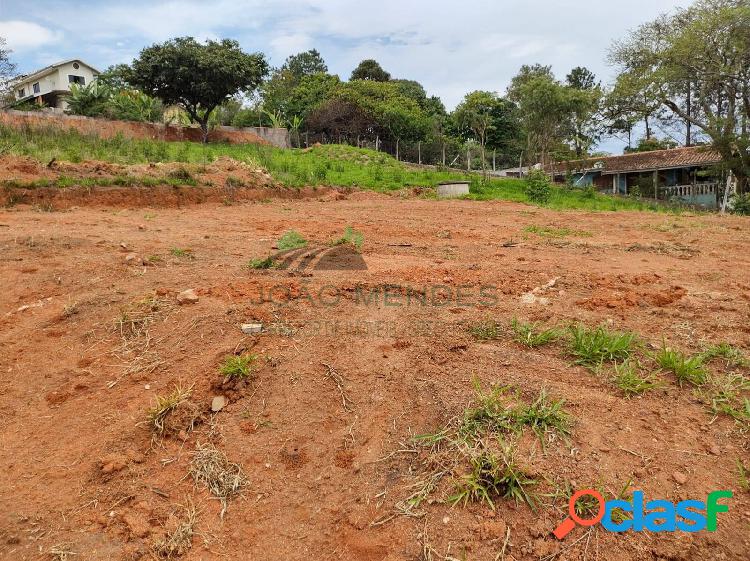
495, 412
352, 237
543, 415
731, 355
264, 263
690, 369
531, 335
291, 240
330, 164
486, 330
628, 379
493, 476
594, 346
554, 232
182, 253
728, 394
238, 367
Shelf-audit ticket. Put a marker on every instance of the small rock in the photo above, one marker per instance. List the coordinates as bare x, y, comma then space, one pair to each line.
130, 257
715, 450
141, 227
446, 519
218, 403
187, 297
123, 245
679, 477
251, 328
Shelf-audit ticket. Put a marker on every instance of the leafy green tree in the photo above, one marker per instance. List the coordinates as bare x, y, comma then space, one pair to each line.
585, 99
116, 77
370, 69
705, 50
475, 113
544, 109
305, 64
197, 76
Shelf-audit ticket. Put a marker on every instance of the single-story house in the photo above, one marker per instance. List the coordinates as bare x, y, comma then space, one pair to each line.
685, 174
50, 85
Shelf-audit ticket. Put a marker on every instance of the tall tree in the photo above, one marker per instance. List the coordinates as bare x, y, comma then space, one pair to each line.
7, 70
197, 76
305, 64
475, 114
585, 97
370, 69
544, 108
708, 46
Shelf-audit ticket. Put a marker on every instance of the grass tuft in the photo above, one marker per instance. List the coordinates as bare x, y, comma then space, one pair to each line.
266, 263
165, 406
238, 367
530, 335
594, 346
291, 240
352, 237
627, 378
732, 356
493, 476
685, 368
182, 253
486, 330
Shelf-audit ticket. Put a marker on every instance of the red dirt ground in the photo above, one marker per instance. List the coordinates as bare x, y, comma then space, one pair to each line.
82, 474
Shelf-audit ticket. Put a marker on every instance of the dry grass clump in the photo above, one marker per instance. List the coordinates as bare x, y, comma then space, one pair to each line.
178, 539
211, 469
173, 412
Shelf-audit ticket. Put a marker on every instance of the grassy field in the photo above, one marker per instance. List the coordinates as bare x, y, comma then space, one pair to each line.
335, 165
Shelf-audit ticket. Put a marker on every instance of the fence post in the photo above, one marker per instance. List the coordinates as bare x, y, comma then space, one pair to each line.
468, 159
377, 143
443, 153
419, 152
494, 153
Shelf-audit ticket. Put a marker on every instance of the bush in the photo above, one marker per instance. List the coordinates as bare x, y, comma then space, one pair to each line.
538, 187
741, 204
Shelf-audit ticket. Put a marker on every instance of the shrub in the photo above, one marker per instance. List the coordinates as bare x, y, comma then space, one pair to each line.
741, 204
538, 187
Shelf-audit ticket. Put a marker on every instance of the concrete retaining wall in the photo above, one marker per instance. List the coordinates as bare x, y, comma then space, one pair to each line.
133, 129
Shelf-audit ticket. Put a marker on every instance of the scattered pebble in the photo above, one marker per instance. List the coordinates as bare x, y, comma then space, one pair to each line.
251, 328
130, 257
218, 403
679, 477
446, 519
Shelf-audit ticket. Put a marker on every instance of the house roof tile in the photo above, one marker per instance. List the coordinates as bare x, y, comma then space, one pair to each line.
644, 161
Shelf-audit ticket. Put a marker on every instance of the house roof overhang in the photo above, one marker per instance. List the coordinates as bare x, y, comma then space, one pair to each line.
47, 70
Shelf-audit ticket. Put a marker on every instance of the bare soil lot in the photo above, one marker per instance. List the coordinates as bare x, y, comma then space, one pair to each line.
91, 332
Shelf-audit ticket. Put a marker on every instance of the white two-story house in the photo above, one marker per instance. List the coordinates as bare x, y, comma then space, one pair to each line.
50, 86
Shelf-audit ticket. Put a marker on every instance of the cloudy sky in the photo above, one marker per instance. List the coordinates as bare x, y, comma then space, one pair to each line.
450, 47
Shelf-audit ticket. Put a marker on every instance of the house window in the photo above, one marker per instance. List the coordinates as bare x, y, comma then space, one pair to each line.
36, 87
76, 80
22, 92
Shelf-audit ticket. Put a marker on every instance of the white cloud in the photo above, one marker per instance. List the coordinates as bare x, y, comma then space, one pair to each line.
26, 35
